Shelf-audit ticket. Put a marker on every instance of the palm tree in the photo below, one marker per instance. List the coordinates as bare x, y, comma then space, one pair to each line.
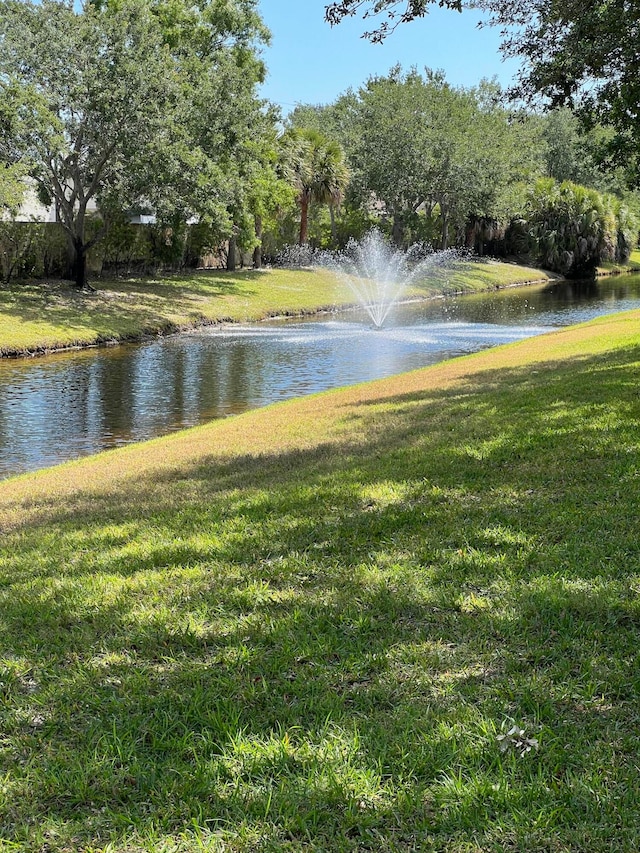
317, 169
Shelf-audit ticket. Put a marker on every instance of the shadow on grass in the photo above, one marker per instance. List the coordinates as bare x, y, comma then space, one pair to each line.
192, 285
127, 308
317, 650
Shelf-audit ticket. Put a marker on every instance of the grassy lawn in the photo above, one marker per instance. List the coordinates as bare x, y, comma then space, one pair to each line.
305, 628
41, 316
632, 265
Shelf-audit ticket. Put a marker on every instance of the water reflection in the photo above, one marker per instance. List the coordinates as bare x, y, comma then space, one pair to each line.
73, 404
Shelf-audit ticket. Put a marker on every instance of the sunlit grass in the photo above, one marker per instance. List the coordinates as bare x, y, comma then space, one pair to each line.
39, 317
468, 276
304, 628
632, 265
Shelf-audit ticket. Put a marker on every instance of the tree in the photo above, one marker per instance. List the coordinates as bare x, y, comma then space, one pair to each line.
424, 148
216, 40
575, 154
15, 239
81, 131
124, 104
582, 55
317, 169
269, 193
394, 149
12, 188
568, 155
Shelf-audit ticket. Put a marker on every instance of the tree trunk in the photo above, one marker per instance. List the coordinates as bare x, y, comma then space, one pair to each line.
69, 272
257, 252
231, 255
470, 233
80, 264
397, 230
304, 220
334, 232
445, 226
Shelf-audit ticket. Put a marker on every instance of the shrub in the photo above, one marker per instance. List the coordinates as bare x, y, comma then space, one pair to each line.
572, 228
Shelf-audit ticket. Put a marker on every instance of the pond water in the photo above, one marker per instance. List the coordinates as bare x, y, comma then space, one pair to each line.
72, 404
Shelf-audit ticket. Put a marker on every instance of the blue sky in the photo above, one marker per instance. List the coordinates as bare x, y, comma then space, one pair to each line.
310, 62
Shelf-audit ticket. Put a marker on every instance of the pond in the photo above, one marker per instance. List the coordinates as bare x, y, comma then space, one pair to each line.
68, 405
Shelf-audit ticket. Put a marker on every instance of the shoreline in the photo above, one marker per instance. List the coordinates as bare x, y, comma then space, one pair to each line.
168, 329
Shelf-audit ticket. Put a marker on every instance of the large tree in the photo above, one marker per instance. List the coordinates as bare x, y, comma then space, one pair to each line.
421, 145
584, 55
126, 103
394, 152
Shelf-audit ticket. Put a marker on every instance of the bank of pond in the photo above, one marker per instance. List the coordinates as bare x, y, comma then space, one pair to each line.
69, 405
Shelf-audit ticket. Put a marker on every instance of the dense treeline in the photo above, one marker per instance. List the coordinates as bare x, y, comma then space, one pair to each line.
137, 107
572, 54
161, 121
455, 166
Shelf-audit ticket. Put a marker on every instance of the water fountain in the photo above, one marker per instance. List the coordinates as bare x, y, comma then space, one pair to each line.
378, 273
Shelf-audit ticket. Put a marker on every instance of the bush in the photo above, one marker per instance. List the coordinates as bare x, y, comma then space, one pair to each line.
31, 250
572, 229
125, 248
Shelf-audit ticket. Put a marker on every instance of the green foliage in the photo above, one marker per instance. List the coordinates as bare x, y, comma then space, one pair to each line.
419, 145
12, 188
580, 55
574, 153
392, 12
15, 241
568, 155
31, 250
125, 246
315, 165
628, 228
17, 250
126, 104
573, 229
583, 56
392, 158
176, 245
269, 195
354, 223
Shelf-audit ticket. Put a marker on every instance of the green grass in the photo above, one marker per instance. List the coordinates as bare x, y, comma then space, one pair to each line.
632, 265
304, 628
40, 316
488, 274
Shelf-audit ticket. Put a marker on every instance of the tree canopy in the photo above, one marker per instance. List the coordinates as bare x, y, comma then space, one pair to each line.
417, 145
316, 167
125, 104
582, 55
386, 14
